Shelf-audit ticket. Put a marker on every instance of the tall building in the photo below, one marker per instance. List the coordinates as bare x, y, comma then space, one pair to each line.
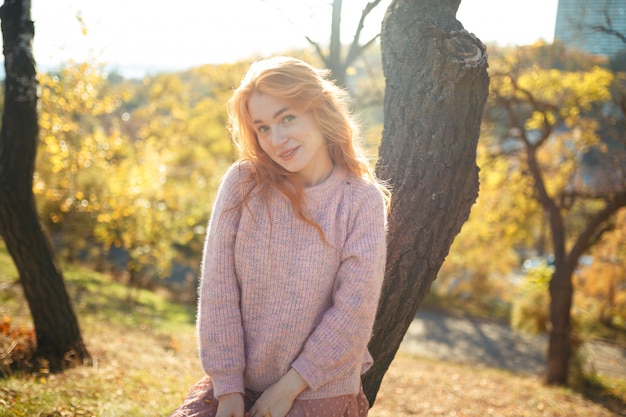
578, 24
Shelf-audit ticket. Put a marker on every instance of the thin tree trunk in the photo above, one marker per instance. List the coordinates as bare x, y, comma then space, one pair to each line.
59, 339
436, 89
559, 346
560, 334
334, 55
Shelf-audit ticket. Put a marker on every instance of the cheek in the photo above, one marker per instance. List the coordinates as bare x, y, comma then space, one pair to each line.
258, 141
263, 146
314, 128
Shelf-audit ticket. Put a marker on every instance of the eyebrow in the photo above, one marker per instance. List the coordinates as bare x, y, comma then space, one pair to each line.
278, 113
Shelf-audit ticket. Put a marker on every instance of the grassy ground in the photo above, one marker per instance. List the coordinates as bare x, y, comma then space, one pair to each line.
144, 352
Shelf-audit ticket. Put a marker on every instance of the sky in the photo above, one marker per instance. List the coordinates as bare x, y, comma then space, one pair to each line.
139, 36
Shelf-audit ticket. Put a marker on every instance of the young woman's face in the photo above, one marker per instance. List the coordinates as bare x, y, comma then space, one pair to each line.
292, 138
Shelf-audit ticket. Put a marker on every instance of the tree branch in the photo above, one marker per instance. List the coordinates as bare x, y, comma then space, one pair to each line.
594, 230
549, 205
355, 47
609, 29
541, 107
319, 51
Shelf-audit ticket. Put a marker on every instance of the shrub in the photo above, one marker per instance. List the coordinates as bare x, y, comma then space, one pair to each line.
531, 307
17, 347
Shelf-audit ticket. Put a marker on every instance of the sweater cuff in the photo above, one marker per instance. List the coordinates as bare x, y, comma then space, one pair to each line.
227, 383
313, 376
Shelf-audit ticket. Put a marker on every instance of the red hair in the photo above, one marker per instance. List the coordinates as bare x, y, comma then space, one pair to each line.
304, 87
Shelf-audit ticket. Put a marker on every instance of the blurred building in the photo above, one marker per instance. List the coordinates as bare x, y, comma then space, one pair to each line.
597, 27
594, 26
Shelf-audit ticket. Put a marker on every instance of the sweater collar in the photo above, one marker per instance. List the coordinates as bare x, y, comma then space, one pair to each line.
329, 185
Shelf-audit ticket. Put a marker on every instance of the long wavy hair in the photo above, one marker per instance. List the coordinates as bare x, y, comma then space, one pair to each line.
304, 87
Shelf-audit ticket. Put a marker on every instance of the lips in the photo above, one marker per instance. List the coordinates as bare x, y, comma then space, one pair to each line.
288, 154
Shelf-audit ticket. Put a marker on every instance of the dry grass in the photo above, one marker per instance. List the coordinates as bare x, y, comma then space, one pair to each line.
135, 372
421, 387
145, 360
138, 373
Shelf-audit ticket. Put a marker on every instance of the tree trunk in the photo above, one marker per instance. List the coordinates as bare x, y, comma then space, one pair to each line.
436, 89
335, 63
59, 339
332, 59
559, 346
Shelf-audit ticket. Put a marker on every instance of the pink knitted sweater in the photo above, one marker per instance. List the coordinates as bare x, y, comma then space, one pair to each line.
273, 295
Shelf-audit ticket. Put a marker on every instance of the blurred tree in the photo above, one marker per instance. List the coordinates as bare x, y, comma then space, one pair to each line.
601, 282
142, 220
179, 148
59, 340
334, 58
550, 124
586, 25
77, 150
530, 309
437, 85
129, 169
480, 271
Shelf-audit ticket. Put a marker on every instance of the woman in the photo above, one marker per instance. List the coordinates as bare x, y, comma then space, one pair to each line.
294, 255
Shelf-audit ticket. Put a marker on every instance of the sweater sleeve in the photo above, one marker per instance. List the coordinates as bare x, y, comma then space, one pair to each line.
337, 345
219, 326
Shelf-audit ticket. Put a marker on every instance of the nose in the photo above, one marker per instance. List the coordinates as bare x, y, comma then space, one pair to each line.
278, 136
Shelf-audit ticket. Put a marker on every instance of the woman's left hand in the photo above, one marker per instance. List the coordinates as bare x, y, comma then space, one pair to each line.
278, 399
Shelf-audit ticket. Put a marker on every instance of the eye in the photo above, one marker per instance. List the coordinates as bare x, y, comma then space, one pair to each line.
289, 118
263, 129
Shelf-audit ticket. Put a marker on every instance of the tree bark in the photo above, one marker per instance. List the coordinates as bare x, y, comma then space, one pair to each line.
59, 339
436, 89
561, 289
560, 328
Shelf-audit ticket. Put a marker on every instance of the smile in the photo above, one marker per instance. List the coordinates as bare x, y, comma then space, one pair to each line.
289, 153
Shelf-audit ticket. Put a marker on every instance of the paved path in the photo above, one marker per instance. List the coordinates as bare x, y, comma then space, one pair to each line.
493, 344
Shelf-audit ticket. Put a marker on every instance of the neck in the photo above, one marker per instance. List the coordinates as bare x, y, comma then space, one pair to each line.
317, 177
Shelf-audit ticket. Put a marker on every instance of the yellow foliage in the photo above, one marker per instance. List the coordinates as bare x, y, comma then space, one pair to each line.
544, 115
601, 283
530, 305
133, 165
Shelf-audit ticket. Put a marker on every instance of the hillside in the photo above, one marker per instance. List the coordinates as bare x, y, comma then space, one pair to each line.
145, 359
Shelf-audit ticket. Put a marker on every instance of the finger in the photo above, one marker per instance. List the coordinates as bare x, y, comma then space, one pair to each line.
257, 413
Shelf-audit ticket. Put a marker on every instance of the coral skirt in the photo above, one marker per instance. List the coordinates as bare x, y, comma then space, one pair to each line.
200, 402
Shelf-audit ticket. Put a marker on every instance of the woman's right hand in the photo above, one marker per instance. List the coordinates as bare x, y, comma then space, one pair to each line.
230, 405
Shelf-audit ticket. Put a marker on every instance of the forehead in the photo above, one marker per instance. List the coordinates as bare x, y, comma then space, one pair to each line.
264, 107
